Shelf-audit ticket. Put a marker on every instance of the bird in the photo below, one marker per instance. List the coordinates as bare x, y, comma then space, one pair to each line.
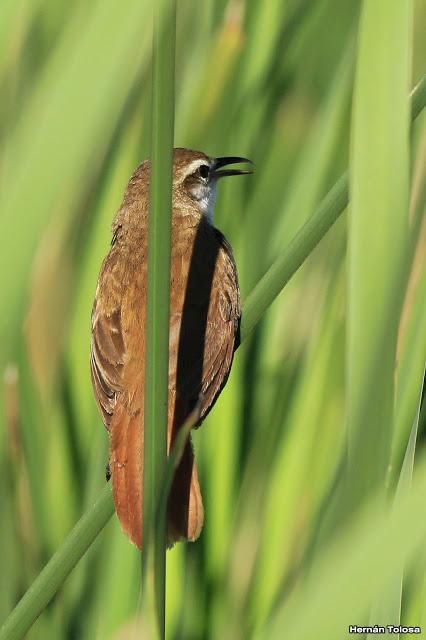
205, 314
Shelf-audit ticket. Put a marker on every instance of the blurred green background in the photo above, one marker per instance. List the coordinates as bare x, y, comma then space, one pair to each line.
273, 81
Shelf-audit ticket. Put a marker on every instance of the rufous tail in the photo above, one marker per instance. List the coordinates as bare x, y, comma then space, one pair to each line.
185, 506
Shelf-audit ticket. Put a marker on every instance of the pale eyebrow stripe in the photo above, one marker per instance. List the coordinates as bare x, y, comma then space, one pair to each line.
195, 164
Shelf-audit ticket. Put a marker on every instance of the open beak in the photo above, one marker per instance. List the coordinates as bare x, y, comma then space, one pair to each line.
224, 162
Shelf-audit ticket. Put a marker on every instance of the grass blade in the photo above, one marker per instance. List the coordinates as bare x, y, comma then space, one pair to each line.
378, 236
158, 296
56, 113
353, 567
286, 265
58, 568
326, 214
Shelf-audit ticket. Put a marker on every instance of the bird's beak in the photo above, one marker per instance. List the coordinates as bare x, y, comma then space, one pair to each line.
224, 162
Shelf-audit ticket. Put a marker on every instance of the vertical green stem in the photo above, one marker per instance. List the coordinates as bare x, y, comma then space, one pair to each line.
58, 568
158, 295
378, 236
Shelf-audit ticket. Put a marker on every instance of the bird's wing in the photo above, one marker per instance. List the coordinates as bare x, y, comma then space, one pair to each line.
222, 327
208, 320
107, 350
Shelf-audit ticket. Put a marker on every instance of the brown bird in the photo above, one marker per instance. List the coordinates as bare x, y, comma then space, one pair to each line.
204, 325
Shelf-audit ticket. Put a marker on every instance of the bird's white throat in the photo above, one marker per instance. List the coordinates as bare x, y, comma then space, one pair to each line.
205, 197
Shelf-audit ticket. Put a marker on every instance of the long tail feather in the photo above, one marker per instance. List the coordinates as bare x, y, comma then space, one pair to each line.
185, 505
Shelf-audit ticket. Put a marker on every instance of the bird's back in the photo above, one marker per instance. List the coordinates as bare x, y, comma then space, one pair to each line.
204, 317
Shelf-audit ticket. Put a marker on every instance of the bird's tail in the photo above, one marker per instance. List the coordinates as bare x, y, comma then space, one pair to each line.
185, 505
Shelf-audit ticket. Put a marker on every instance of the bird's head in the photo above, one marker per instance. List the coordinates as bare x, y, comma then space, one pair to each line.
195, 175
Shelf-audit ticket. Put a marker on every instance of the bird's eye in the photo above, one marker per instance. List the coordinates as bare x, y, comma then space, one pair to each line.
203, 171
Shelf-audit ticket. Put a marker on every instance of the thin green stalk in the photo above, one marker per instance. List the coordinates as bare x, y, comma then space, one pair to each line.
293, 256
158, 299
286, 265
59, 567
84, 533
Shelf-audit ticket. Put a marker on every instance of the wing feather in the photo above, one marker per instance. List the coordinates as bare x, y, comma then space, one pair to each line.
107, 352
